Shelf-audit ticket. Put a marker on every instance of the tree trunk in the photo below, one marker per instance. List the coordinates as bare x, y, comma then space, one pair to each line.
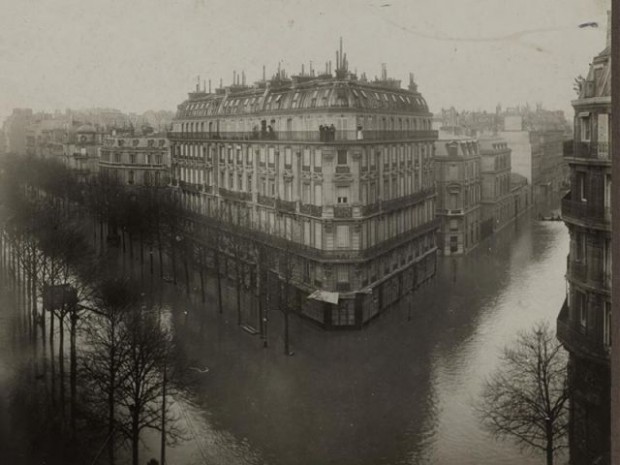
549, 433
186, 268
101, 237
286, 334
135, 439
238, 277
163, 417
73, 368
52, 367
174, 262
161, 258
35, 310
219, 283
111, 405
61, 364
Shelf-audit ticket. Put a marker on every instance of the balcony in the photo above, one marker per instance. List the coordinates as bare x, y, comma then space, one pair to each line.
266, 201
343, 211
233, 195
305, 136
585, 212
406, 200
594, 276
576, 340
395, 241
286, 205
312, 210
369, 209
590, 151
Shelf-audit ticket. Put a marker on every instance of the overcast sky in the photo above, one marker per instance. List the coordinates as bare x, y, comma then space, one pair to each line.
137, 55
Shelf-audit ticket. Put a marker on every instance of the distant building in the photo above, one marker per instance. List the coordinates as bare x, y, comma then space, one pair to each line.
82, 149
333, 169
15, 129
497, 197
584, 325
521, 194
136, 160
458, 181
538, 156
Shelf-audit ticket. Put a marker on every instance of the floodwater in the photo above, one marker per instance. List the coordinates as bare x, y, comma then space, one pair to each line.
399, 391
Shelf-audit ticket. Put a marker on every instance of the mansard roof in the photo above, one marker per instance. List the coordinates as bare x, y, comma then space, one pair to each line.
318, 94
598, 81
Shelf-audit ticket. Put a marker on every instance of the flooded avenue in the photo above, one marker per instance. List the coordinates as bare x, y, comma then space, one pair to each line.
399, 391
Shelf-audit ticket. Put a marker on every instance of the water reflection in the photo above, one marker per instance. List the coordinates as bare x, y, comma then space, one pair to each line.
397, 392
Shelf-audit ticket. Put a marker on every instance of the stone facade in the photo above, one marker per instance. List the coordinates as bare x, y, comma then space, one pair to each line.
458, 180
136, 160
497, 197
584, 323
333, 169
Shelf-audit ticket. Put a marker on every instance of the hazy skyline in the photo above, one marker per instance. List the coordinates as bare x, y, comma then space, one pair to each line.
146, 54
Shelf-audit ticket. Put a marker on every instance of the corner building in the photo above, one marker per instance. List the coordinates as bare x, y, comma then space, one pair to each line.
457, 173
584, 323
333, 169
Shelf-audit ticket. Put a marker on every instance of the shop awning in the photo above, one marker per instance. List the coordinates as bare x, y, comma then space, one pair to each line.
324, 296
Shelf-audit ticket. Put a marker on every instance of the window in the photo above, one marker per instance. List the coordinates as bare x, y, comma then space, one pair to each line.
288, 190
342, 194
454, 225
249, 183
307, 237
581, 185
239, 182
158, 159
306, 158
318, 236
343, 274
132, 158
582, 310
117, 157
372, 193
342, 236
585, 128
580, 247
305, 193
130, 177
318, 194
342, 157
454, 202
288, 157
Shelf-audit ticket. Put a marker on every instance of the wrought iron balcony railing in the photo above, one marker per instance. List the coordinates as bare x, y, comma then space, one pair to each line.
305, 136
590, 150
577, 340
585, 211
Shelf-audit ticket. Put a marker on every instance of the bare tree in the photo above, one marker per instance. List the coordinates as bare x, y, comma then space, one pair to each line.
105, 354
146, 379
526, 398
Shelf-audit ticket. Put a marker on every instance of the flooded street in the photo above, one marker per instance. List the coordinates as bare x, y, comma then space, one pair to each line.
400, 391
